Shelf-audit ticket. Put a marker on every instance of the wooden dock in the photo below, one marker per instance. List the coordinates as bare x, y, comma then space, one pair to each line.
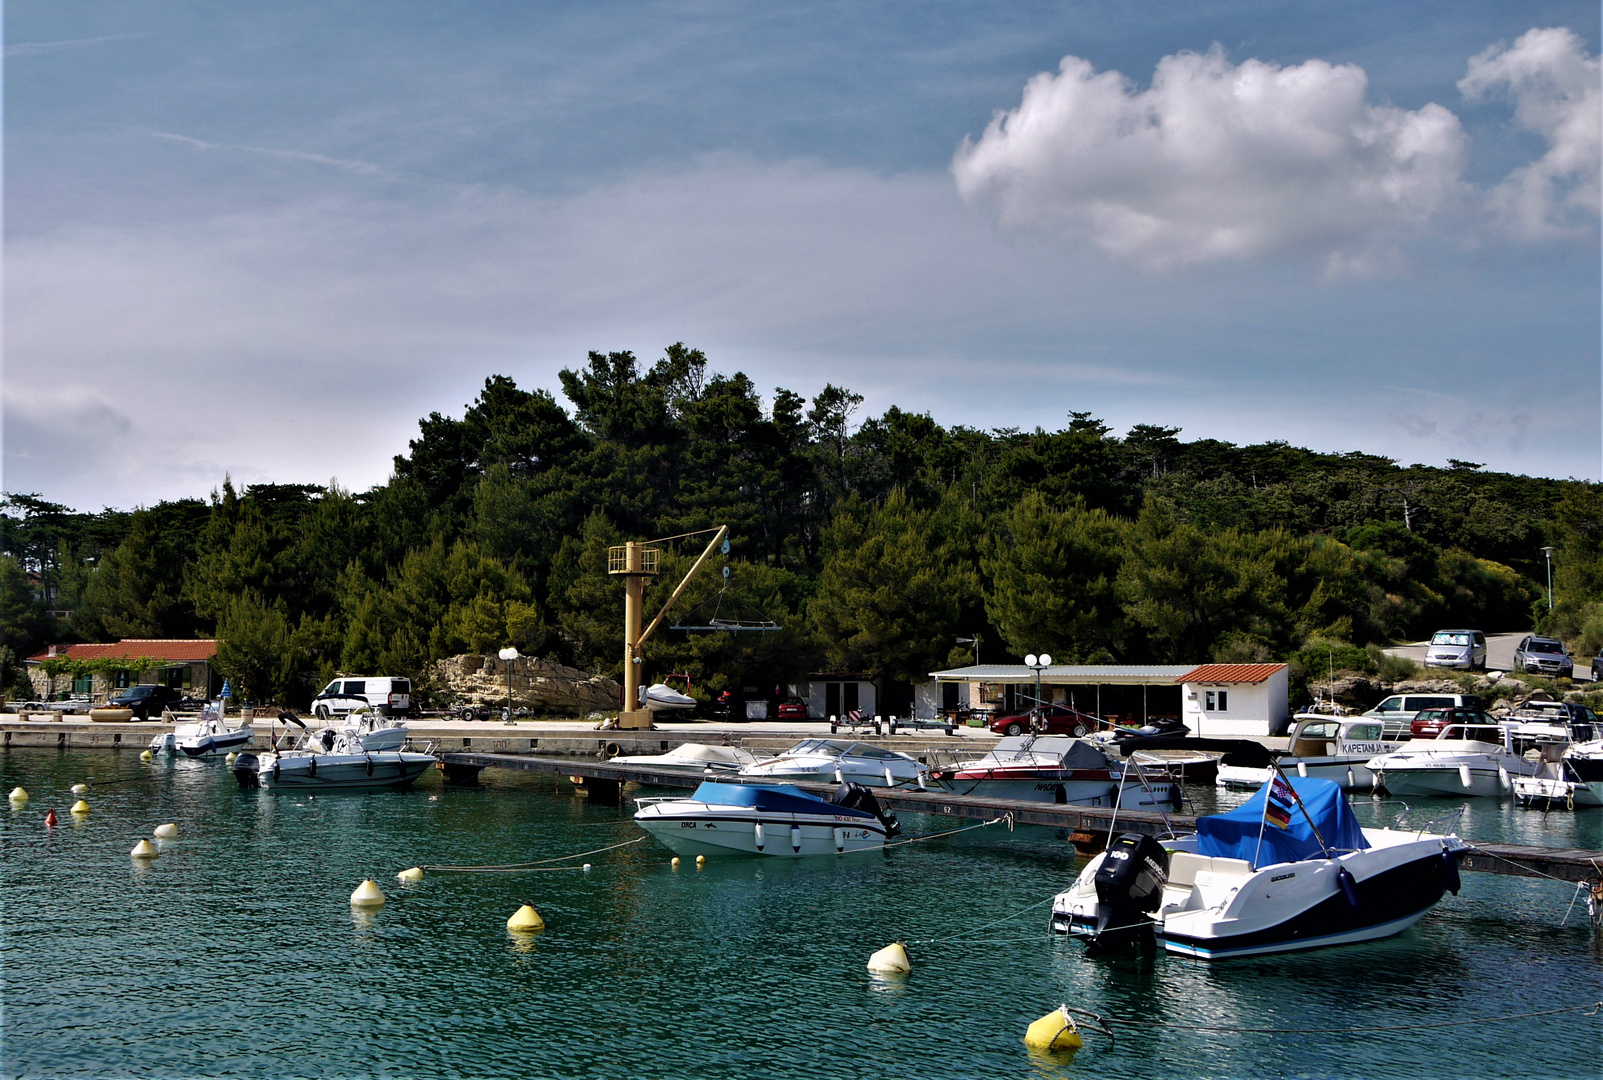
604, 779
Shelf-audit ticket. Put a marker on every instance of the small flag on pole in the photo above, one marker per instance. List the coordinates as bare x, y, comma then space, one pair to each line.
1278, 802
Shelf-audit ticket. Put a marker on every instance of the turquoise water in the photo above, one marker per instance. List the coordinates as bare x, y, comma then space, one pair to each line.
236, 952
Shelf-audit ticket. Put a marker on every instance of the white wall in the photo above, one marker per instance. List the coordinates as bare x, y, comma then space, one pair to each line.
1256, 710
813, 694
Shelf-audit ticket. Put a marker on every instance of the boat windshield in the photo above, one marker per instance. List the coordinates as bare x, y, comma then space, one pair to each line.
1319, 729
1363, 732
817, 746
863, 750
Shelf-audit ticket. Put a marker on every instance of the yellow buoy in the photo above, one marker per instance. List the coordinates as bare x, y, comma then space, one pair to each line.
1054, 1033
144, 850
367, 894
80, 789
891, 960
231, 758
526, 918
167, 831
80, 807
19, 794
147, 756
414, 874
674, 862
701, 860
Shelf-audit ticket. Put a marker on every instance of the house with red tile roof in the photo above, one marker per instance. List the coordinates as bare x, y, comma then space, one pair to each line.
1235, 700
184, 663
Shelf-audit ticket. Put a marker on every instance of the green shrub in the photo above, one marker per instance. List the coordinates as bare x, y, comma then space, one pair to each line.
1391, 668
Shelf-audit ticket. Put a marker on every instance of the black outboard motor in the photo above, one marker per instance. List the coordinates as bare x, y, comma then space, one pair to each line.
858, 797
1129, 887
245, 771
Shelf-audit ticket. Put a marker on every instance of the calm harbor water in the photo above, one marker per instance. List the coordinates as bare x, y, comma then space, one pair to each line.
236, 952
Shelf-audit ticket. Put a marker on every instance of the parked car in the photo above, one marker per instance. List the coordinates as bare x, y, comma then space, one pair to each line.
1046, 720
1457, 649
1544, 656
383, 694
1597, 669
793, 708
147, 699
1399, 710
1429, 723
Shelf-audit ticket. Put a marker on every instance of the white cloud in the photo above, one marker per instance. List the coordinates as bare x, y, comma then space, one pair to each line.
1215, 161
1556, 90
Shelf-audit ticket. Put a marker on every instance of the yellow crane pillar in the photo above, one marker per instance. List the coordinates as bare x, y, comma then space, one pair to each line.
636, 562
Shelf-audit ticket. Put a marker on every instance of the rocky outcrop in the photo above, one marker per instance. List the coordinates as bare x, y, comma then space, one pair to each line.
538, 685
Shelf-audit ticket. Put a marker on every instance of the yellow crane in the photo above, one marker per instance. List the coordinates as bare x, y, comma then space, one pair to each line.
636, 561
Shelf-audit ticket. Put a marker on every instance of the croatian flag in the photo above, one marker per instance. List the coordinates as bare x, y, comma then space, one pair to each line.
1277, 806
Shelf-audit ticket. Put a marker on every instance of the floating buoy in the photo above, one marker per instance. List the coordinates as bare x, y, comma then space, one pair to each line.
144, 850
1054, 1033
147, 756
526, 918
891, 960
674, 862
80, 807
414, 874
231, 758
587, 868
167, 831
19, 795
701, 860
80, 789
50, 818
367, 894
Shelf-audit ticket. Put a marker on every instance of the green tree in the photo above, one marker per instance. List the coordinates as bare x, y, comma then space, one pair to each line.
254, 649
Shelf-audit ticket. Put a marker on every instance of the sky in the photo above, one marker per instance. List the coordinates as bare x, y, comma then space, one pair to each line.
262, 241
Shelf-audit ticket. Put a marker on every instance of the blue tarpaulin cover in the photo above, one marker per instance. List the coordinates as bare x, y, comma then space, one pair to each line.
773, 798
1235, 835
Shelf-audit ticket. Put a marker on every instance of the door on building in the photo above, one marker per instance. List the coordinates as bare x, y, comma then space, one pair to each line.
848, 697
832, 699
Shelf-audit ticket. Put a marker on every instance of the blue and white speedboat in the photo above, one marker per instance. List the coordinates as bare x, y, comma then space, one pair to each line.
767, 819
1244, 885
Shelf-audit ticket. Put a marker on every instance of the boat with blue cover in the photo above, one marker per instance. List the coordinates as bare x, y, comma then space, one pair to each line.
1273, 875
767, 819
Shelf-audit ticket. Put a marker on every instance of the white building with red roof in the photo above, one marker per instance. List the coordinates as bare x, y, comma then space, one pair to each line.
1235, 700
182, 663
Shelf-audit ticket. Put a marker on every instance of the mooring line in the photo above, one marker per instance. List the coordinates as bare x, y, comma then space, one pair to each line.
986, 926
512, 867
1594, 1007
949, 832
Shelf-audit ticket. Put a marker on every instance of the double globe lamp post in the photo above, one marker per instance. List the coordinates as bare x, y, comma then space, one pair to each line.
1038, 664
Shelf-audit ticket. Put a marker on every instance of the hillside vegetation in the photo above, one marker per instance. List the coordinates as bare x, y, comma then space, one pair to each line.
874, 542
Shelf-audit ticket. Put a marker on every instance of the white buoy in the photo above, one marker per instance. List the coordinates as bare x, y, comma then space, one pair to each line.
891, 960
167, 831
586, 868
144, 850
674, 862
368, 894
19, 795
1465, 777
414, 874
526, 918
701, 860
79, 789
80, 807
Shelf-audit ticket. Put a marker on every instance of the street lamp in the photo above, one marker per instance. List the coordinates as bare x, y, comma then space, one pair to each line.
1038, 663
1549, 553
510, 655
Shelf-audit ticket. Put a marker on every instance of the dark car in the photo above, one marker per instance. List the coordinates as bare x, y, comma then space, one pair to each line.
145, 700
793, 708
1046, 720
1429, 723
1543, 656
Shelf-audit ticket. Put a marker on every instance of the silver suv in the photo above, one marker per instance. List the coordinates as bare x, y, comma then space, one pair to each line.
1543, 656
1457, 649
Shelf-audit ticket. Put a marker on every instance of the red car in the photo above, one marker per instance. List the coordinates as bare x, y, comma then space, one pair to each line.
793, 709
1429, 723
1046, 720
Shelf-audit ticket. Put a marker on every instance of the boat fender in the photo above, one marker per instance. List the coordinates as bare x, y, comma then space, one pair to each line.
276, 769
80, 807
19, 795
757, 835
1059, 796
889, 782
1465, 777
1502, 778
526, 919
1350, 781
368, 894
167, 831
369, 766
795, 838
1302, 769
1054, 1033
1451, 881
1348, 886
840, 840
891, 960
311, 766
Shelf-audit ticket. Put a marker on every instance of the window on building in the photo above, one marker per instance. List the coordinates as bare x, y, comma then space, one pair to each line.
1216, 700
121, 682
82, 684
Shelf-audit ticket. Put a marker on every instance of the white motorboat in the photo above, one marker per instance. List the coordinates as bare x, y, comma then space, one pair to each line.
1582, 766
1056, 769
1464, 759
826, 761
375, 731
1244, 884
208, 735
694, 757
1321, 745
767, 819
660, 697
333, 760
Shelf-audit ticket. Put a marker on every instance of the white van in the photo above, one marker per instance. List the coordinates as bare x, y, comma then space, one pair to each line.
392, 697
1399, 710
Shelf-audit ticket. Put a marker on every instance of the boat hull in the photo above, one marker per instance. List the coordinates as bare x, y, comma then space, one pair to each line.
703, 829
1445, 779
337, 772
214, 744
1351, 773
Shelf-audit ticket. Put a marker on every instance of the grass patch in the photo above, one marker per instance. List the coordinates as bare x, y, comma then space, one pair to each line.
1392, 668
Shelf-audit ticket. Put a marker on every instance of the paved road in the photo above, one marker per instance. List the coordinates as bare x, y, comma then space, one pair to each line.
1499, 654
